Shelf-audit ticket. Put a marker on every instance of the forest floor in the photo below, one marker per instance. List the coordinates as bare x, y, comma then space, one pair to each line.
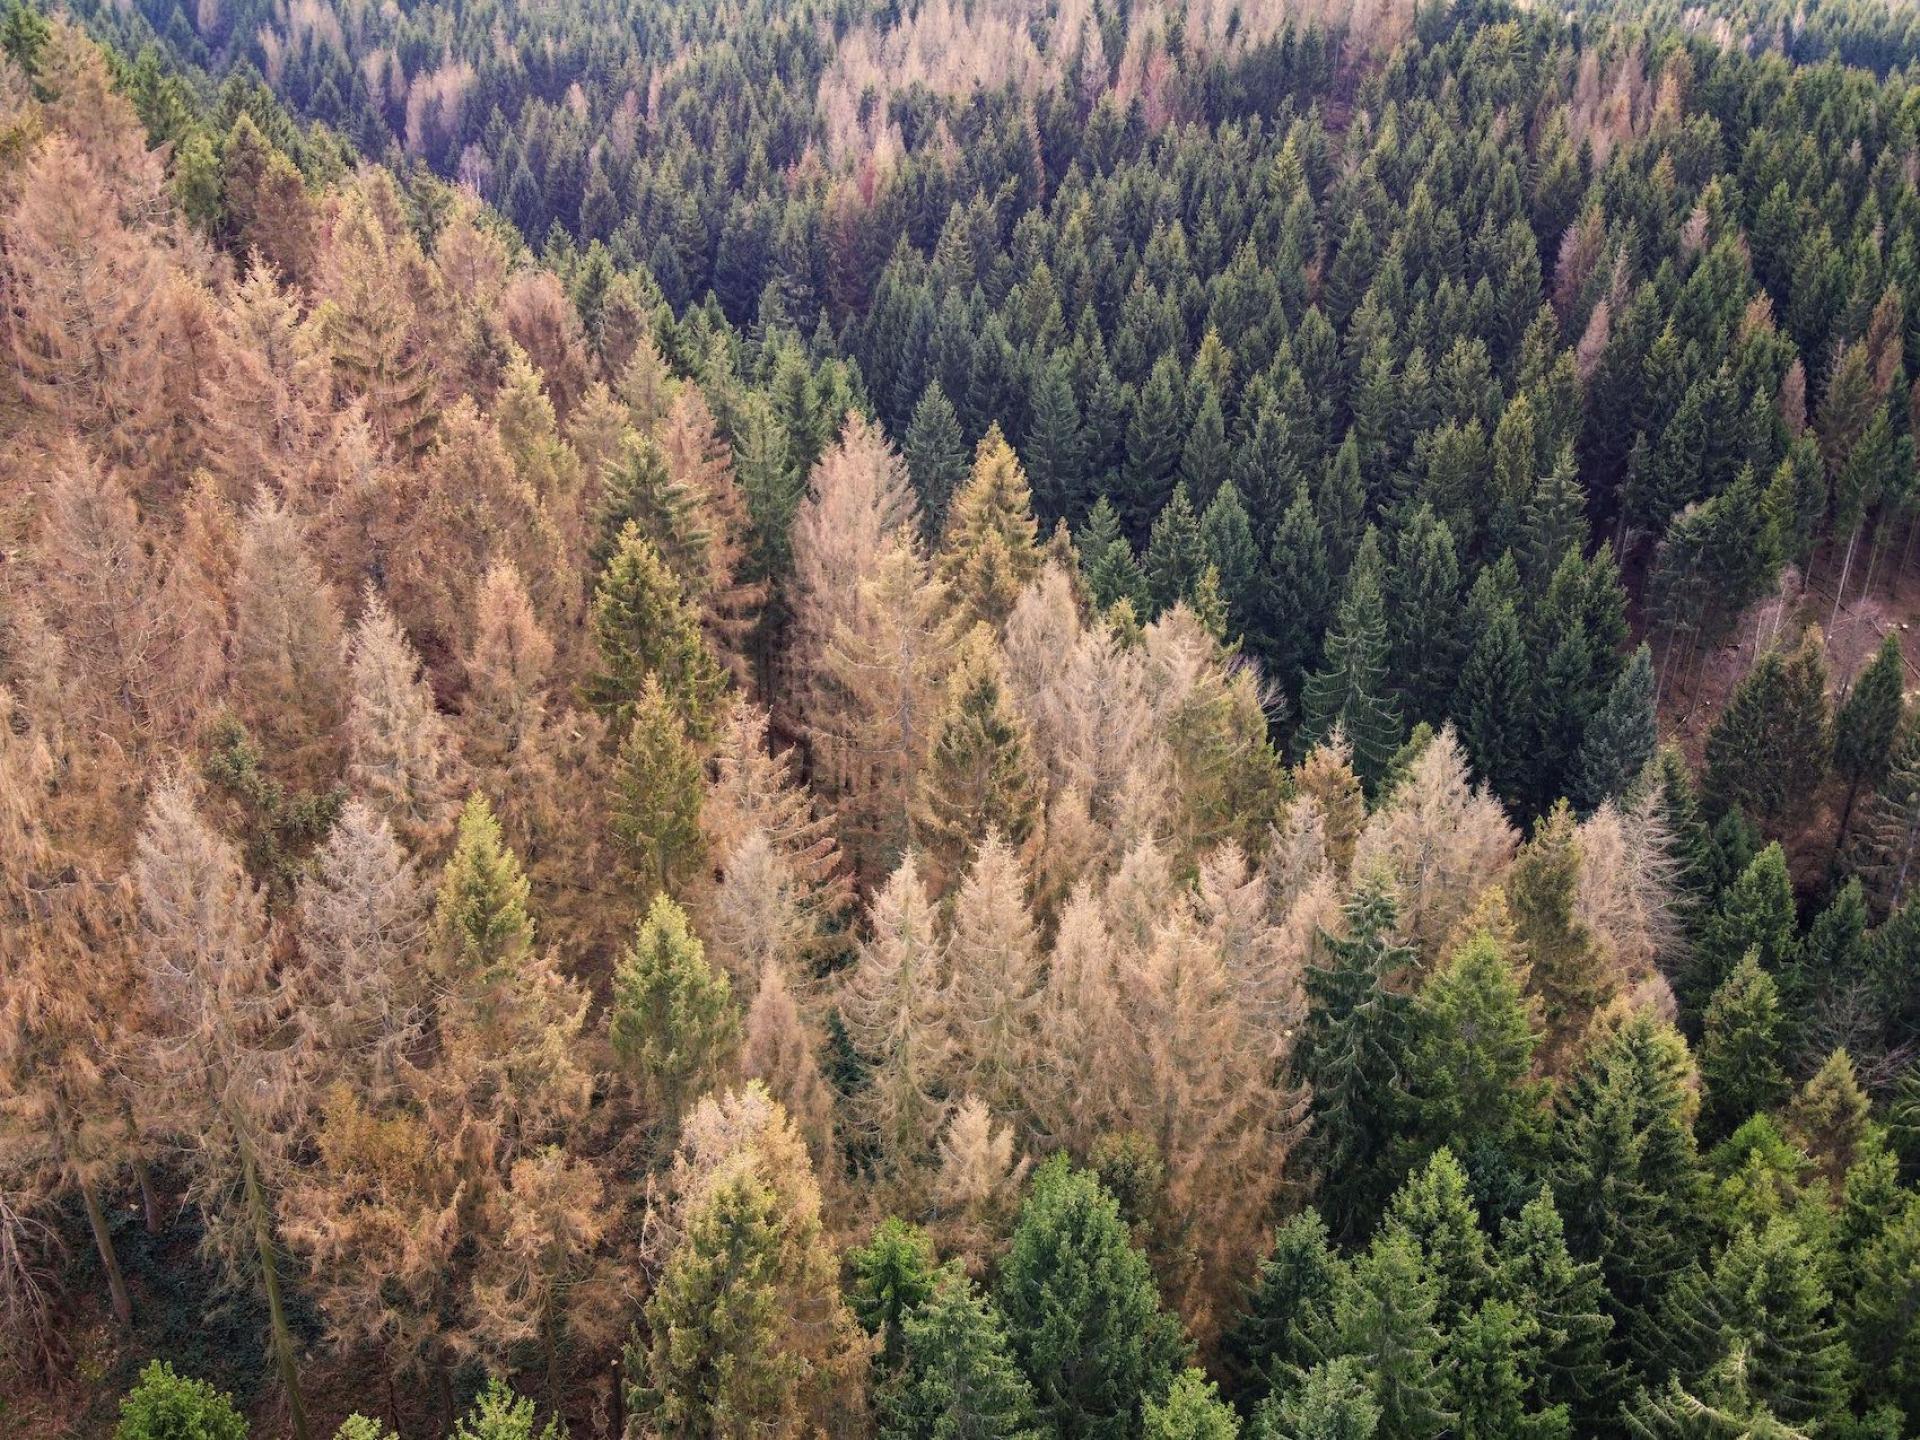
1696, 693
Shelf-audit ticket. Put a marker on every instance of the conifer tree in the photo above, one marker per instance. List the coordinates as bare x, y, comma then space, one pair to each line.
959, 1377
89, 345
892, 1004
1054, 454
1289, 1308
400, 753
1486, 1354
1154, 432
891, 1277
544, 1282
936, 457
758, 793
1566, 1300
1098, 538
876, 702
1299, 594
673, 1022
1423, 615
1866, 726
992, 965
1385, 1315
658, 788
363, 914
1621, 737
1176, 553
1490, 700
1439, 838
1764, 1295
746, 1331
1341, 504
287, 644
989, 551
1887, 847
68, 975
781, 1048
370, 323
719, 579
1352, 689
1434, 1211
1355, 1058
1740, 1051
1756, 914
1266, 468
219, 1007
481, 925
1880, 1318
1769, 747
1231, 549
977, 775
1625, 1172
1553, 521
1829, 1118
1205, 460
1566, 966
1193, 1410
1082, 1314
1334, 1402
508, 1021
642, 625
719, 1363
1475, 1037
636, 487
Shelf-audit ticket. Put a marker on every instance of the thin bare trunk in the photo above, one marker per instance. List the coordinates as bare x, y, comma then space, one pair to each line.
550, 1339
282, 1335
109, 1261
1846, 569
1846, 819
149, 1197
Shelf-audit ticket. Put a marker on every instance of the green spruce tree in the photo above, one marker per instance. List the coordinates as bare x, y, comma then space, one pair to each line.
1082, 1311
1352, 690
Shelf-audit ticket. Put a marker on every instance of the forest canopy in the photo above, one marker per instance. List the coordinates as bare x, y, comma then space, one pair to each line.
1157, 722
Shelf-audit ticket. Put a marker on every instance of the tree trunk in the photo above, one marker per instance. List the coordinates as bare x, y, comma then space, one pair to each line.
1846, 568
110, 1262
550, 1338
149, 1197
282, 1336
1846, 819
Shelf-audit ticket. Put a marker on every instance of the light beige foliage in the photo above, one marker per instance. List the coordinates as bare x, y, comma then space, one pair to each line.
858, 500
977, 1188
289, 665
782, 878
1625, 892
401, 753
227, 1047
895, 1013
781, 1051
362, 920
139, 639
1441, 840
886, 666
992, 980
